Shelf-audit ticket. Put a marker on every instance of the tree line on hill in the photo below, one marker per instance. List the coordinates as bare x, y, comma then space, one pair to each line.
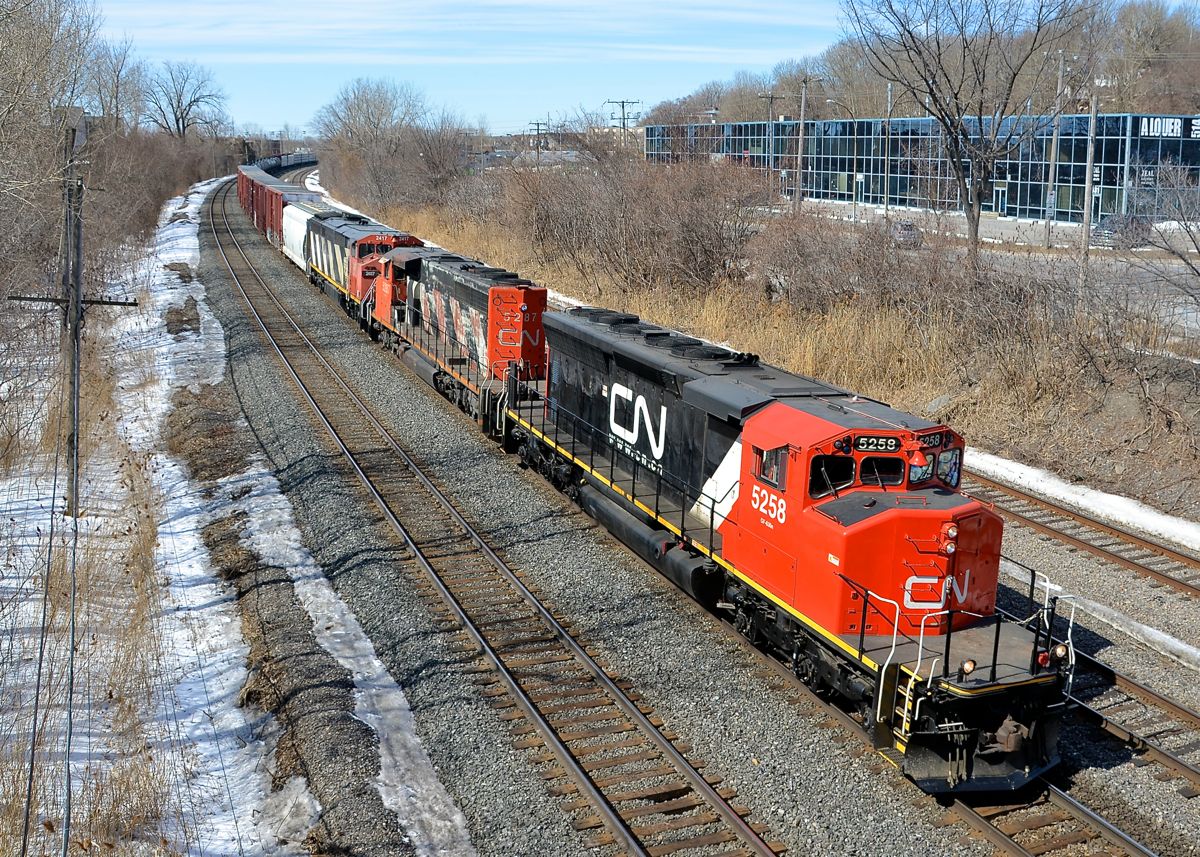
1143, 57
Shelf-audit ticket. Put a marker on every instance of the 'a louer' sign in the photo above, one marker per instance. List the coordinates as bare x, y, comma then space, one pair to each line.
1171, 127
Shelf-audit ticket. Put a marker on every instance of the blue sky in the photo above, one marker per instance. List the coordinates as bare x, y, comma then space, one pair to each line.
511, 61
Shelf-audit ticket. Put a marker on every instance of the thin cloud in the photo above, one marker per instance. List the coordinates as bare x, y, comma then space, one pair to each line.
223, 25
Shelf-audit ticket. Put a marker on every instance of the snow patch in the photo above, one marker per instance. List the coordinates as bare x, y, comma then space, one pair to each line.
1111, 507
407, 783
205, 651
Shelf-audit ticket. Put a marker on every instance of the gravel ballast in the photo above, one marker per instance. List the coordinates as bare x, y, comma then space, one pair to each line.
817, 793
504, 800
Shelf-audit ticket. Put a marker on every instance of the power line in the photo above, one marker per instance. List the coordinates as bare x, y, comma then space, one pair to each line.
73, 302
539, 129
624, 104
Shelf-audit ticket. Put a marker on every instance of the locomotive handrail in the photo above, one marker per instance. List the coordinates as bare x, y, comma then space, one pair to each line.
916, 673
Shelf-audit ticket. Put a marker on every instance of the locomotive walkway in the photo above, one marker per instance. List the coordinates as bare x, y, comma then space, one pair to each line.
620, 772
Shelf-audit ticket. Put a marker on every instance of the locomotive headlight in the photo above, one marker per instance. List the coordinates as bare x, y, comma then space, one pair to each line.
967, 667
949, 548
1059, 652
952, 531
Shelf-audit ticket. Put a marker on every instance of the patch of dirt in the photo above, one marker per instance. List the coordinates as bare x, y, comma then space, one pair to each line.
183, 269
205, 431
311, 696
184, 319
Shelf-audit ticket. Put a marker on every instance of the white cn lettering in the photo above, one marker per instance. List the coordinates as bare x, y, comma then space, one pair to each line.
948, 584
641, 415
508, 336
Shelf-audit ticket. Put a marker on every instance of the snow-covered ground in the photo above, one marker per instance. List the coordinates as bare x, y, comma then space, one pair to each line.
215, 756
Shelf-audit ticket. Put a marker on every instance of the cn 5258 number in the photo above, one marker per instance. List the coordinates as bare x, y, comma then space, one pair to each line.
769, 503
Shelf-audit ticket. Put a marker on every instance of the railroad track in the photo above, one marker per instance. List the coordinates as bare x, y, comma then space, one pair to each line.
1163, 731
1047, 821
1163, 564
621, 775
1050, 823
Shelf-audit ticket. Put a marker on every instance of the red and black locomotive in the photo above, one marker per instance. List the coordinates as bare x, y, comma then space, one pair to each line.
829, 528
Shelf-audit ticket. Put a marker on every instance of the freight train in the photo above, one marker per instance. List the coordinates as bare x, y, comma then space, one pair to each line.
827, 527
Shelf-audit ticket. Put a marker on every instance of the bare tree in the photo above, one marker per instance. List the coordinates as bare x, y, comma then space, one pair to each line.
369, 127
182, 97
442, 140
1173, 203
1153, 66
116, 85
974, 63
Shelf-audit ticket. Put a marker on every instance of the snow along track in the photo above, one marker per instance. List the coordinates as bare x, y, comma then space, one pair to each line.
1111, 543
547, 677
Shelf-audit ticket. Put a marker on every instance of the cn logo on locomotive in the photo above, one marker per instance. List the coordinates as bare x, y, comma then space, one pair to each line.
641, 416
929, 585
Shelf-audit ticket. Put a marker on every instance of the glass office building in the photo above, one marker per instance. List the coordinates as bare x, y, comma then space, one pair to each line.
864, 159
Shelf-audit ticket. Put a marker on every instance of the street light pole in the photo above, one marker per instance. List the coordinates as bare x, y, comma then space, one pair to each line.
1052, 171
853, 158
887, 156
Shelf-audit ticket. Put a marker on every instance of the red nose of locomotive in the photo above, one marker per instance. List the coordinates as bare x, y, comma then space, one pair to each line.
947, 566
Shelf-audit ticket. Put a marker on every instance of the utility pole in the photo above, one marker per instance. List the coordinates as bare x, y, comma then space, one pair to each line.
1052, 170
539, 128
769, 134
798, 195
624, 118
73, 302
1087, 193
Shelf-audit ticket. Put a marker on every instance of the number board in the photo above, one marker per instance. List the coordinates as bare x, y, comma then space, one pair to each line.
934, 439
876, 443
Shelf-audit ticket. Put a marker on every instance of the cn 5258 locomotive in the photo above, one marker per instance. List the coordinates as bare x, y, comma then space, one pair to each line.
828, 527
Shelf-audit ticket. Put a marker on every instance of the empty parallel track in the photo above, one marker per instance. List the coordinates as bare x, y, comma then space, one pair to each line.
1162, 563
619, 773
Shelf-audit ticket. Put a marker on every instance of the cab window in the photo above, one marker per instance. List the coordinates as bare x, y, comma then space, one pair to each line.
771, 466
920, 473
365, 250
881, 470
830, 473
949, 467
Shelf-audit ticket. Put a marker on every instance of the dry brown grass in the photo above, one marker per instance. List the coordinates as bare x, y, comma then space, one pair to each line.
124, 795
1014, 357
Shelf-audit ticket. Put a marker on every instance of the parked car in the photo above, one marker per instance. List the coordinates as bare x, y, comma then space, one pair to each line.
1122, 232
905, 234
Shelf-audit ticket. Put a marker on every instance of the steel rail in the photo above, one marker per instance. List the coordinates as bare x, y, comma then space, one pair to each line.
1107, 829
608, 814
1135, 690
1083, 544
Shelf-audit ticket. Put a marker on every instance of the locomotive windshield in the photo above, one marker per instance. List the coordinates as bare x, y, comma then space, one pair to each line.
919, 473
829, 473
882, 470
949, 467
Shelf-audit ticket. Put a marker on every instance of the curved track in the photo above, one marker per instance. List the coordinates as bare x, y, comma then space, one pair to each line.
620, 773
1160, 562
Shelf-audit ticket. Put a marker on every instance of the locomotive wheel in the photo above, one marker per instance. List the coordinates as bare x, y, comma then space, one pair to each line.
744, 623
802, 666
